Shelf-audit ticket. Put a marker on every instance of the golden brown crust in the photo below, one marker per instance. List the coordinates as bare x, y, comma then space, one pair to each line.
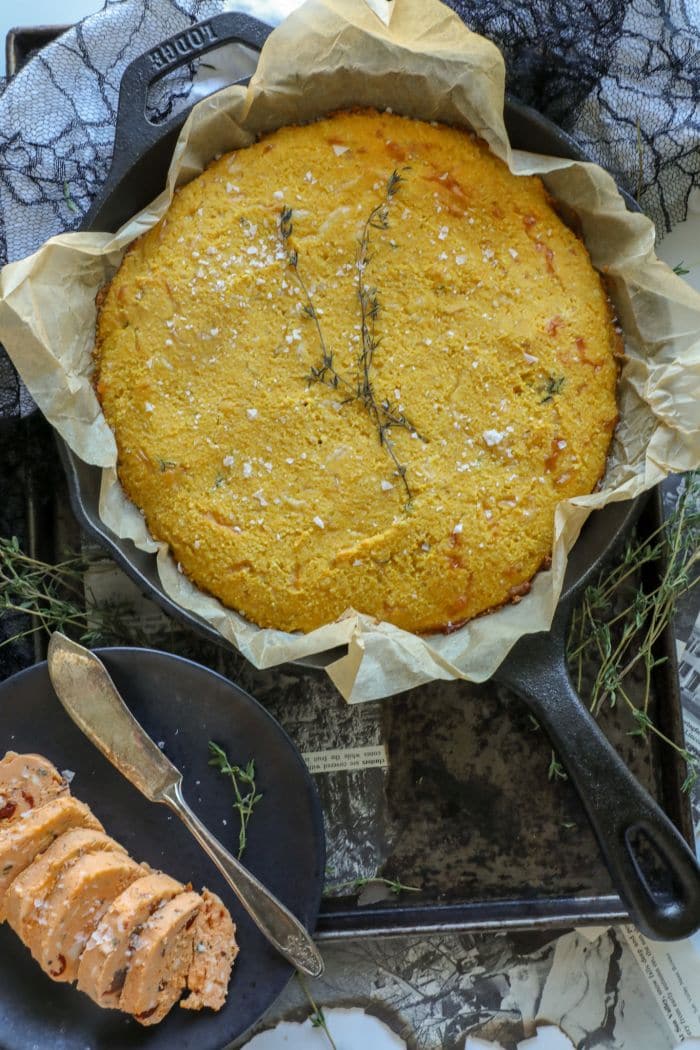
267, 471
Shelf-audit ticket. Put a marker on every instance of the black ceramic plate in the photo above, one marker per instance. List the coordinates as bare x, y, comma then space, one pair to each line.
183, 705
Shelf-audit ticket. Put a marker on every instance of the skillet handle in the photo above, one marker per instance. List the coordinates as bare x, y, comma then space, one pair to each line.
135, 134
618, 807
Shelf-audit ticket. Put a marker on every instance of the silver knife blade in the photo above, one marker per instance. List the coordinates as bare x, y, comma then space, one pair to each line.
84, 687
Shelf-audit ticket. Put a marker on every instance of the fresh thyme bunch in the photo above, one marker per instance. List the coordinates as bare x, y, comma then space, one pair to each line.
619, 622
53, 597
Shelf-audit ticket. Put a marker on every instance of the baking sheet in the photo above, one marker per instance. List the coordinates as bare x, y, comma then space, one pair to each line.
425, 63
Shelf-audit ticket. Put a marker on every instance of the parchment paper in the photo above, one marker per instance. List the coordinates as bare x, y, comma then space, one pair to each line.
417, 58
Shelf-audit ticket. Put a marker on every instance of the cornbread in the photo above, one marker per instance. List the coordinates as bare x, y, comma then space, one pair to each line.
356, 365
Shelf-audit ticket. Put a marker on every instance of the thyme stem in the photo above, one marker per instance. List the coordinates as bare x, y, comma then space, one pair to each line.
371, 880
245, 800
317, 1018
368, 297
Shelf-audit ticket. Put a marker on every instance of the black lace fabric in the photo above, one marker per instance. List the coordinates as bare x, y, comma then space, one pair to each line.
556, 51
623, 78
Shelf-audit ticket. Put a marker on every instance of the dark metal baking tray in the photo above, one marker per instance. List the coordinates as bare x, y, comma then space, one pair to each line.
448, 815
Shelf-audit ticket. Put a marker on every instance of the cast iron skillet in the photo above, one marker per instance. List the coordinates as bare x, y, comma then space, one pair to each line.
626, 820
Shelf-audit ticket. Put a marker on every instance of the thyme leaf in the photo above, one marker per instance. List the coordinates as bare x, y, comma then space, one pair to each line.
556, 770
72, 206
553, 386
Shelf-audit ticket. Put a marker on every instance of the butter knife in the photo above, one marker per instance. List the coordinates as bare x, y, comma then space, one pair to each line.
87, 692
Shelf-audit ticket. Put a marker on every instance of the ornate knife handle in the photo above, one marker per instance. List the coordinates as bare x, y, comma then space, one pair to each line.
275, 922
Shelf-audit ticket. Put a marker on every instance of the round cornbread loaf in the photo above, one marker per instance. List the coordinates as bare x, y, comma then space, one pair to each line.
356, 365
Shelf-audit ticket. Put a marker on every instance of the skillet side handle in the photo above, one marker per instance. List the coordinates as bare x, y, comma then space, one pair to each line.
134, 132
618, 807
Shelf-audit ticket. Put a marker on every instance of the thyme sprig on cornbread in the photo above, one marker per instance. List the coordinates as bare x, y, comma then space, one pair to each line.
552, 387
326, 373
205, 337
368, 296
362, 389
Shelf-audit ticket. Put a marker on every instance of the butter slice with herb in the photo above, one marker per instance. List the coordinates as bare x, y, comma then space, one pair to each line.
105, 961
